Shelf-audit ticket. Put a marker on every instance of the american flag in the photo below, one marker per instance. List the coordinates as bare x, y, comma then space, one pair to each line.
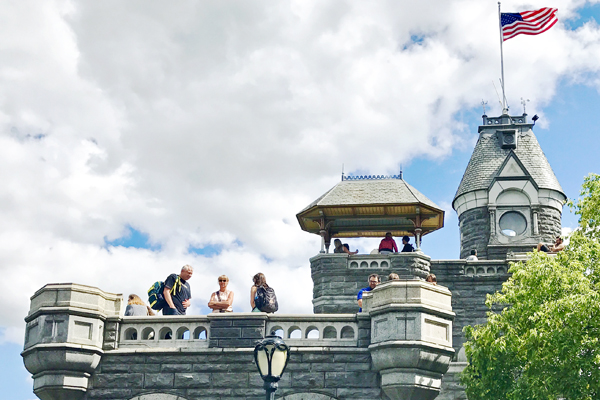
527, 22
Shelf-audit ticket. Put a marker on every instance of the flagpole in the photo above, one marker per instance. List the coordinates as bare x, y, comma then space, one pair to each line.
504, 110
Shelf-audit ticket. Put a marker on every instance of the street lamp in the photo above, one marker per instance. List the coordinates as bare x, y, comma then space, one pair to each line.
271, 356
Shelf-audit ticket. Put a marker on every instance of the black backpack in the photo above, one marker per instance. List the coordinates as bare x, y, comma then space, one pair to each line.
265, 300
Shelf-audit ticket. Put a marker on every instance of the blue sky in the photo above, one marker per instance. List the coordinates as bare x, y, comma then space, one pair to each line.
198, 142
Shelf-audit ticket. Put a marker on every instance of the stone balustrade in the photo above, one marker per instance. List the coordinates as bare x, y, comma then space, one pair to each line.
484, 267
164, 331
315, 330
194, 331
365, 261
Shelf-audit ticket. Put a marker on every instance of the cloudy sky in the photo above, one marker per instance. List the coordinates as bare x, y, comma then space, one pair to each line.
137, 136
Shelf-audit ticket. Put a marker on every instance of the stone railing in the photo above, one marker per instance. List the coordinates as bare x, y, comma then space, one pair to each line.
315, 329
369, 261
485, 267
169, 331
194, 331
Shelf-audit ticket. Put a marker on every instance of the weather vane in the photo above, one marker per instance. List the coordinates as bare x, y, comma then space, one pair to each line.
524, 102
483, 104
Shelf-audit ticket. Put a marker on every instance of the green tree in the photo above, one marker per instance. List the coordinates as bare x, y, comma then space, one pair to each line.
542, 336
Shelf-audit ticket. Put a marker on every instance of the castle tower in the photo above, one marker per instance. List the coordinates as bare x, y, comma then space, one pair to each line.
509, 198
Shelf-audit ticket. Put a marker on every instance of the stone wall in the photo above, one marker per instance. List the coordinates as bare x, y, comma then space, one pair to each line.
469, 290
333, 356
474, 232
549, 221
337, 278
469, 282
216, 373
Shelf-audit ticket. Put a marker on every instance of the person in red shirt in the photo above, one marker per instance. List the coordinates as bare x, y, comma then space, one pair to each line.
388, 244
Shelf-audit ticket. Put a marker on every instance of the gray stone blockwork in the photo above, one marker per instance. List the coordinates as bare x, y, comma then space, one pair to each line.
78, 347
337, 278
549, 220
216, 373
336, 284
474, 232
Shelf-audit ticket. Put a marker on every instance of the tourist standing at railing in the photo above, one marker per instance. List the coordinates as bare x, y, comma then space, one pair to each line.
221, 301
407, 248
177, 292
342, 248
373, 282
431, 278
388, 244
136, 307
473, 256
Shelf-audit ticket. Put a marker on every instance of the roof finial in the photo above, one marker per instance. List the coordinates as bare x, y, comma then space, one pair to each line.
483, 104
524, 103
342, 171
401, 172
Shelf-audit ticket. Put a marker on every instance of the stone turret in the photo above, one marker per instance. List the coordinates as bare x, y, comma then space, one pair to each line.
68, 328
509, 198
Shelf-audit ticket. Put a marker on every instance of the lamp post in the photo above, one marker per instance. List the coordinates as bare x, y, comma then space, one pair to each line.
271, 356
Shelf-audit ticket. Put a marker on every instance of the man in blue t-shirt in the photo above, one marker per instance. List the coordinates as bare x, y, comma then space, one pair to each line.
373, 281
179, 299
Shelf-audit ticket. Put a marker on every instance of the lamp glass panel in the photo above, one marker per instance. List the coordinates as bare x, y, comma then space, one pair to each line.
278, 363
263, 362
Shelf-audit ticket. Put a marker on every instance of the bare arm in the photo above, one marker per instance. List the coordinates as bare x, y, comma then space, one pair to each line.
349, 252
212, 303
252, 295
360, 303
215, 304
557, 248
167, 296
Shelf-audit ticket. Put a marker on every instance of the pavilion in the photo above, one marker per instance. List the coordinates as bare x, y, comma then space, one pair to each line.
370, 206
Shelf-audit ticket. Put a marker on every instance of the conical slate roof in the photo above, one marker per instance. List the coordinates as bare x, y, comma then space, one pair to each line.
369, 207
488, 157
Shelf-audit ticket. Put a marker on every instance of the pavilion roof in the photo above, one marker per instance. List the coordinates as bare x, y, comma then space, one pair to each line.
370, 207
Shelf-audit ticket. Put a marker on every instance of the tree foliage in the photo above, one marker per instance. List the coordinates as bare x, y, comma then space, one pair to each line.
545, 343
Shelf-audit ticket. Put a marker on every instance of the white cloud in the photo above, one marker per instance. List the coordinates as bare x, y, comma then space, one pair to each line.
214, 123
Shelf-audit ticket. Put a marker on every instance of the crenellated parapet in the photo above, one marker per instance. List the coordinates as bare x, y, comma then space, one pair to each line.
78, 346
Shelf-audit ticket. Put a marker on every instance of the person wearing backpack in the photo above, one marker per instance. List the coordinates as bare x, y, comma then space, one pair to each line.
262, 296
177, 292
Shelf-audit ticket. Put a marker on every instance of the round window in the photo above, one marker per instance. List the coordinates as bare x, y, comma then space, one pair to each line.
513, 223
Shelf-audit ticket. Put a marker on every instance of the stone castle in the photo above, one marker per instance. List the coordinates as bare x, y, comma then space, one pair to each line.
406, 344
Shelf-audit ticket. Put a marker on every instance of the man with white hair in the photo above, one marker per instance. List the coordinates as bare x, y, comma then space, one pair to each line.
177, 292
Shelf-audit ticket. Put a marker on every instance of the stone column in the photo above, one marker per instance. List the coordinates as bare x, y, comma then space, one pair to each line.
411, 337
64, 338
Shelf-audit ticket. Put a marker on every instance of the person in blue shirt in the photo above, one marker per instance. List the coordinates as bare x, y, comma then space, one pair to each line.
373, 282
